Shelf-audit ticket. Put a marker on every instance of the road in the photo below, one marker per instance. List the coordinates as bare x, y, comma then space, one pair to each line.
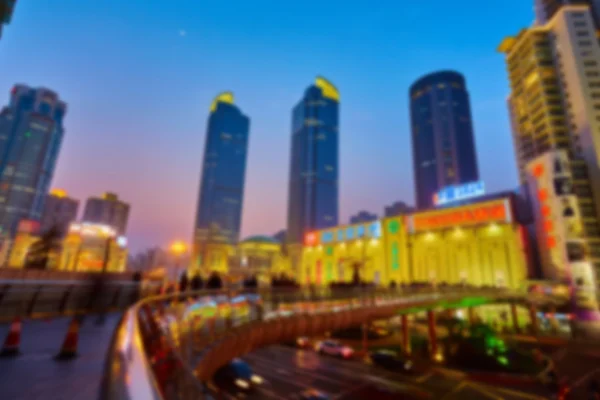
36, 375
288, 372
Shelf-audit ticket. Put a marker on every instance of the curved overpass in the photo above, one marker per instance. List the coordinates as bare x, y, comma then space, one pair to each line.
161, 353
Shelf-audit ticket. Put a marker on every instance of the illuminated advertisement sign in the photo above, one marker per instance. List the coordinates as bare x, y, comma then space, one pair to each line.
360, 231
452, 194
484, 213
375, 230
327, 237
350, 233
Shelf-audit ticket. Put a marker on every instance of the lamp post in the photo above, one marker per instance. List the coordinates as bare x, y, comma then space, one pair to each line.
178, 248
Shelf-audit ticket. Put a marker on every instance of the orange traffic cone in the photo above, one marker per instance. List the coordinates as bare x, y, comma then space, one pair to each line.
13, 340
69, 347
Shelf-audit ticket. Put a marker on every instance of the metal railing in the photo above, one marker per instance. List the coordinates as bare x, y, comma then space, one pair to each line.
46, 299
168, 347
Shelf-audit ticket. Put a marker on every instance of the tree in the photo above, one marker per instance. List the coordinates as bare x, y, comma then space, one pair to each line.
39, 252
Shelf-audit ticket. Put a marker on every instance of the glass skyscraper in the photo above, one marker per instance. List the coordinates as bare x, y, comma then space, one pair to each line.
31, 133
313, 184
219, 211
442, 135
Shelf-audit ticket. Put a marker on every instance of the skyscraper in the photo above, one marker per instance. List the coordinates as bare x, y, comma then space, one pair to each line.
31, 133
313, 184
60, 211
107, 210
6, 10
220, 201
442, 135
554, 105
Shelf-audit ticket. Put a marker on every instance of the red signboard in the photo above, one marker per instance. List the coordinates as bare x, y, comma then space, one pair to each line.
460, 217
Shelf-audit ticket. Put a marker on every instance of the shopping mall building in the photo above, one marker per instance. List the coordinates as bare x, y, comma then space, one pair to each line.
482, 242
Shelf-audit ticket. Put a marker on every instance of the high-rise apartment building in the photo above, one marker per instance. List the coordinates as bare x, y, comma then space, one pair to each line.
554, 73
31, 133
107, 210
221, 197
546, 9
442, 135
6, 10
313, 185
60, 211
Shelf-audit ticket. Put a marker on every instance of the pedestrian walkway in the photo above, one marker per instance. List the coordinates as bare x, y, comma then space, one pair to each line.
36, 375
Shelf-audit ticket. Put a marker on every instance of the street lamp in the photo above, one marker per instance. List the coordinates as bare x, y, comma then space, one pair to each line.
178, 248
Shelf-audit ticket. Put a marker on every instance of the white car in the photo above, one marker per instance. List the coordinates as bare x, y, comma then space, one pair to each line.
334, 348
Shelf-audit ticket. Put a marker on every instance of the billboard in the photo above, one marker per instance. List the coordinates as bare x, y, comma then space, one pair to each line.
451, 194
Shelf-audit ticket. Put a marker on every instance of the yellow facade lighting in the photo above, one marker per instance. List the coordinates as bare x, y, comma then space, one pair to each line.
178, 247
327, 88
225, 97
61, 193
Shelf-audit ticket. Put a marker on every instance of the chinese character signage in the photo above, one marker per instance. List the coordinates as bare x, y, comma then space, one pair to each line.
453, 194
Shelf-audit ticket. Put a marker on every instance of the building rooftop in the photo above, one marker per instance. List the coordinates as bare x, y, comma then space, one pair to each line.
260, 239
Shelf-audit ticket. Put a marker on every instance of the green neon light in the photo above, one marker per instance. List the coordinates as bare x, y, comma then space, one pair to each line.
329, 250
393, 227
27, 134
395, 258
329, 272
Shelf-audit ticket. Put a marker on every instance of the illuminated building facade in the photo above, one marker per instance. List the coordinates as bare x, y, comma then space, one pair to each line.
259, 256
31, 133
442, 135
221, 196
554, 72
6, 10
60, 211
26, 235
93, 248
480, 243
107, 210
313, 184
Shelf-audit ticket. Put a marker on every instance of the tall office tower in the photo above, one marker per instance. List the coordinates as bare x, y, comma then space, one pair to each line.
313, 185
546, 9
220, 201
6, 10
442, 135
554, 73
107, 210
60, 211
31, 133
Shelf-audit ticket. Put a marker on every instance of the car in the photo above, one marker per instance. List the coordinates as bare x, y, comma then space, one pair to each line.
391, 360
334, 348
313, 394
237, 376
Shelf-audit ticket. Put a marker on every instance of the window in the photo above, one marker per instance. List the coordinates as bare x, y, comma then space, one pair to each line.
590, 63
585, 42
582, 33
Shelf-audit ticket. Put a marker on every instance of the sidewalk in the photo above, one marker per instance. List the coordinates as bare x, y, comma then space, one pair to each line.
36, 375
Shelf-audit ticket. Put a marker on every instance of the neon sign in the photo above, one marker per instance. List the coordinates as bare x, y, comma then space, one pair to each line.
467, 216
327, 237
452, 194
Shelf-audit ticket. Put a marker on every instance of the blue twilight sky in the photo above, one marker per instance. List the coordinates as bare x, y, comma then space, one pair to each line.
139, 76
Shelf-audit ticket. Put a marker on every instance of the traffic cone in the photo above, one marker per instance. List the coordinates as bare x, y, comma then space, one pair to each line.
13, 340
69, 347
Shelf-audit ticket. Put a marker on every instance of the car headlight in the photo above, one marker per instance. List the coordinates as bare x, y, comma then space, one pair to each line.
256, 379
242, 383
